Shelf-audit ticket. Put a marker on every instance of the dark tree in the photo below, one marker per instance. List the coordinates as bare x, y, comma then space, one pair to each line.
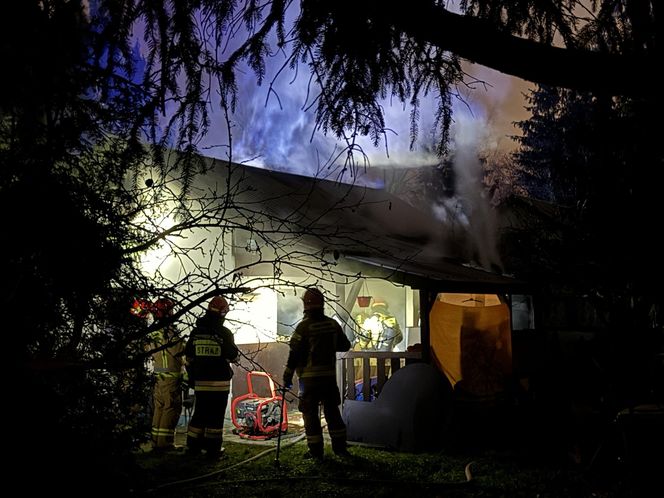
599, 158
357, 54
594, 240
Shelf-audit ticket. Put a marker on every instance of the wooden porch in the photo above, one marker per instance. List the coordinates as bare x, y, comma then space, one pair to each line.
363, 366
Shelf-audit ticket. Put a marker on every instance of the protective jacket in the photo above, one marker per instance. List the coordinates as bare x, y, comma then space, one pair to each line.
385, 331
208, 352
313, 347
168, 361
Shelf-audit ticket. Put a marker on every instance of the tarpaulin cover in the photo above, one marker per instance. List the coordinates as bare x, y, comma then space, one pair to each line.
472, 344
412, 412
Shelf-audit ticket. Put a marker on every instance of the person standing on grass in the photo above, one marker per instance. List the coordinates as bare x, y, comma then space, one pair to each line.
313, 348
167, 359
208, 352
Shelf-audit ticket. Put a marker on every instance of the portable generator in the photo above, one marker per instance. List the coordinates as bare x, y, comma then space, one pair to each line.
256, 417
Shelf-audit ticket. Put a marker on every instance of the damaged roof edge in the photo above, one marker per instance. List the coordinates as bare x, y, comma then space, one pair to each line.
458, 279
379, 234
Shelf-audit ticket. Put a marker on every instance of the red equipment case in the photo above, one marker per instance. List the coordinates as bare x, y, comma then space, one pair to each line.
258, 417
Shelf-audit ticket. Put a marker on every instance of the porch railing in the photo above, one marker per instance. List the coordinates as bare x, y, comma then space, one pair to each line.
371, 369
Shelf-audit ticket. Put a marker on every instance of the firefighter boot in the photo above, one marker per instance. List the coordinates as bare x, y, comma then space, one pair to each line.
318, 457
316, 447
215, 454
339, 448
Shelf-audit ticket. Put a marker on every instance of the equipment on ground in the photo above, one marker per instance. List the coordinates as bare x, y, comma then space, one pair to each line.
257, 417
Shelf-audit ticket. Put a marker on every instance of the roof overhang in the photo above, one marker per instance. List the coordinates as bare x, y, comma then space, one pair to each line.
375, 233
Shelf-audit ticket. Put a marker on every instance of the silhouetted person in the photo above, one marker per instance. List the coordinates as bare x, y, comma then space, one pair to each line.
167, 361
313, 348
208, 352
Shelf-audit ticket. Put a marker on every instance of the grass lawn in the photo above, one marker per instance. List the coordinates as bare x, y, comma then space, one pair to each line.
252, 471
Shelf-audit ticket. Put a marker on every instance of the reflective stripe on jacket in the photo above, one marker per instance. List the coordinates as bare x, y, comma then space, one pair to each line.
167, 362
314, 344
209, 350
212, 385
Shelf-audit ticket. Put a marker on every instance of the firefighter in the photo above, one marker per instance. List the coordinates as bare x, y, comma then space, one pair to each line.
362, 337
167, 347
208, 352
312, 355
382, 327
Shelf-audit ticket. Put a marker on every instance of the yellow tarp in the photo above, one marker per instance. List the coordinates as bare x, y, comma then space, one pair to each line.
473, 344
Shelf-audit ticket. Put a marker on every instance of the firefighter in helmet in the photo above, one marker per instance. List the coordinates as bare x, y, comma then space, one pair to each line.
167, 349
208, 352
382, 327
313, 348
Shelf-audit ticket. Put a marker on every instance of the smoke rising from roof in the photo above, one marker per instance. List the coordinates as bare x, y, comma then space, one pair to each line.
473, 207
273, 128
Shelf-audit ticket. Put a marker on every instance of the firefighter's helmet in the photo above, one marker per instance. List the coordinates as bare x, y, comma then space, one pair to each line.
163, 307
313, 299
378, 302
218, 305
141, 308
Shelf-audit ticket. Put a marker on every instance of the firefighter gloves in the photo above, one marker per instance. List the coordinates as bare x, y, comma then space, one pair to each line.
288, 378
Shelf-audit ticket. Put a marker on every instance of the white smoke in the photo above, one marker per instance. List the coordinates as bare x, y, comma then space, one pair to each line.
274, 131
470, 132
272, 128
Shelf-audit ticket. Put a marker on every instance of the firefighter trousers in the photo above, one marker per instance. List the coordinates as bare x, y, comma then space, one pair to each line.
312, 395
167, 399
206, 428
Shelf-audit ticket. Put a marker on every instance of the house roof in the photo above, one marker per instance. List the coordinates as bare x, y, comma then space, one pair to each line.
371, 230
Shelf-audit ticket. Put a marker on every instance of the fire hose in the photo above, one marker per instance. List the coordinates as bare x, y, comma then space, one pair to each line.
296, 439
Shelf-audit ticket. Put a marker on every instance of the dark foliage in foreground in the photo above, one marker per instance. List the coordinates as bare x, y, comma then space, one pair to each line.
594, 172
